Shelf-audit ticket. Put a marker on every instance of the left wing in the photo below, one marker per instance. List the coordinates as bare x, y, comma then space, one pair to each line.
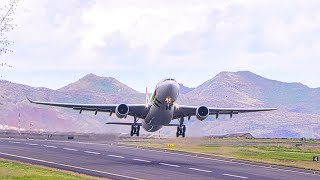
138, 110
188, 111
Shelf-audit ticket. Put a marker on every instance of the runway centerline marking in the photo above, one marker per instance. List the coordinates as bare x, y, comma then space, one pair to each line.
231, 175
32, 144
214, 159
115, 156
202, 170
141, 160
91, 152
70, 166
172, 165
14, 142
49, 146
69, 149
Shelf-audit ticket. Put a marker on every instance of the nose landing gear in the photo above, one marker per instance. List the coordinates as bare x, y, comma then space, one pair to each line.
181, 129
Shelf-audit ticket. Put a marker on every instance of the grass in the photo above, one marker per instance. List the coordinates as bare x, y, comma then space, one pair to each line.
16, 170
280, 152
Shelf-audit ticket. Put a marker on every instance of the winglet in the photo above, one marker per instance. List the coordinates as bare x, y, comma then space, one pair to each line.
29, 100
278, 106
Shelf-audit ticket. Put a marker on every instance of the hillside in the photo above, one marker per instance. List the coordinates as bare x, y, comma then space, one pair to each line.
297, 117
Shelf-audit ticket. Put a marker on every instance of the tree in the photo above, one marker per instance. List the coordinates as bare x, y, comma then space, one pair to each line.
6, 25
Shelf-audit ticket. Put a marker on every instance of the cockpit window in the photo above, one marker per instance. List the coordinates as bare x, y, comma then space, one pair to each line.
169, 80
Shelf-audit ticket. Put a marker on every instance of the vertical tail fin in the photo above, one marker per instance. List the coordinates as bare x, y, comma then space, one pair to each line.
147, 97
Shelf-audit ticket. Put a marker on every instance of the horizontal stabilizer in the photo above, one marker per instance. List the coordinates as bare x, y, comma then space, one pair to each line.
129, 124
125, 124
172, 125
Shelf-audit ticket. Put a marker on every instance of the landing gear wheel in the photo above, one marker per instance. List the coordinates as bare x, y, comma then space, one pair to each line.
181, 130
135, 129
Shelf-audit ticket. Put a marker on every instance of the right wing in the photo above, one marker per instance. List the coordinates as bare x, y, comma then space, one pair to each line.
138, 110
188, 111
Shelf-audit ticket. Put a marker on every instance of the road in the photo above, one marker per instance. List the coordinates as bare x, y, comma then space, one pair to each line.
122, 162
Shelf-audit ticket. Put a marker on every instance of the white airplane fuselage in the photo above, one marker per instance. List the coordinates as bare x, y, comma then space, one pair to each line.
161, 105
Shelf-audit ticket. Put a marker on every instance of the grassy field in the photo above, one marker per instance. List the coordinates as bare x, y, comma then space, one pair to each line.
17, 170
274, 151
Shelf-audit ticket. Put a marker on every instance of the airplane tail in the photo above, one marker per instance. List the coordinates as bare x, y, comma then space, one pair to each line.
147, 97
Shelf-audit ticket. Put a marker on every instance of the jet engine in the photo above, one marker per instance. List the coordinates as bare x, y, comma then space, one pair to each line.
122, 110
202, 113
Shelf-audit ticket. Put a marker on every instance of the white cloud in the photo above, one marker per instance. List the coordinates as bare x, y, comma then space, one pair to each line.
127, 39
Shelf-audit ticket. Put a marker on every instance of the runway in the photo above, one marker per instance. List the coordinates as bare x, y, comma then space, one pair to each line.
121, 162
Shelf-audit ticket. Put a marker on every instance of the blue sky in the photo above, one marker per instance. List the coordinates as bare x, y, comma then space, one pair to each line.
140, 42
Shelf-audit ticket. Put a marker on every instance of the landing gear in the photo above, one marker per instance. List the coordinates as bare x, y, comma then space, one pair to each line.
181, 129
135, 128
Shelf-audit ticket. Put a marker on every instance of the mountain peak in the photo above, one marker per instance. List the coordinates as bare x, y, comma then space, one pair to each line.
95, 83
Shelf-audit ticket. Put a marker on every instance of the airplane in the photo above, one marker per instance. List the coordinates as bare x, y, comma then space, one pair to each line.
157, 112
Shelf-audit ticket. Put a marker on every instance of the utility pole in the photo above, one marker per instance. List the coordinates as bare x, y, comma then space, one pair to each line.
19, 125
30, 127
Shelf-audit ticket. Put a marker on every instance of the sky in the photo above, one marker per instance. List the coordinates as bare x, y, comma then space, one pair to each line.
143, 41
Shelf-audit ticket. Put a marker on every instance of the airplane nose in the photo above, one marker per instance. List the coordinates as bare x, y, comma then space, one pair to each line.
174, 90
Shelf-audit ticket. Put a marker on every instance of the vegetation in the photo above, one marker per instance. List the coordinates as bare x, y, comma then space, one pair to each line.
288, 152
17, 170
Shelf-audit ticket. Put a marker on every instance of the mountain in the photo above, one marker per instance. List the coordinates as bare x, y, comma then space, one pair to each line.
245, 88
298, 115
184, 89
98, 84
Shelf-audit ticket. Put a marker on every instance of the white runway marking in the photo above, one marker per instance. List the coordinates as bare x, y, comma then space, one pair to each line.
14, 142
91, 152
141, 160
49, 146
172, 165
202, 170
231, 175
70, 166
110, 155
32, 144
69, 149
220, 160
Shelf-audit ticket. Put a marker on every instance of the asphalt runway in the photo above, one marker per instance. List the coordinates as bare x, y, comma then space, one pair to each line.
122, 162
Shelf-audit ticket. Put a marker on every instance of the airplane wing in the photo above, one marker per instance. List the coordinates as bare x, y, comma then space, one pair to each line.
188, 111
140, 110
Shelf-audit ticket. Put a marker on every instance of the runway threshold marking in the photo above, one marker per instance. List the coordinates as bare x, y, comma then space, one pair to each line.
172, 165
69, 149
231, 175
202, 170
91, 152
115, 156
49, 146
70, 166
141, 160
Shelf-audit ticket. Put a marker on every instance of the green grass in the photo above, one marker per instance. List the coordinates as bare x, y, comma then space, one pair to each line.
16, 170
280, 152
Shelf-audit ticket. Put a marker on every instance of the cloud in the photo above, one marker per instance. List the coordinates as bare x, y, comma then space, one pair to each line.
279, 39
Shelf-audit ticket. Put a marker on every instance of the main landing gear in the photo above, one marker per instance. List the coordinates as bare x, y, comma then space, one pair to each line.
181, 129
135, 128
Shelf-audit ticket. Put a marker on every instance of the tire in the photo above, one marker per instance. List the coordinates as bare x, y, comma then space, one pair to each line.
177, 134
183, 134
131, 133
137, 133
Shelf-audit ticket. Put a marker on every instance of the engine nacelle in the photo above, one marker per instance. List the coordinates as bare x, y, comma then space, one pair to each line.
202, 113
122, 110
